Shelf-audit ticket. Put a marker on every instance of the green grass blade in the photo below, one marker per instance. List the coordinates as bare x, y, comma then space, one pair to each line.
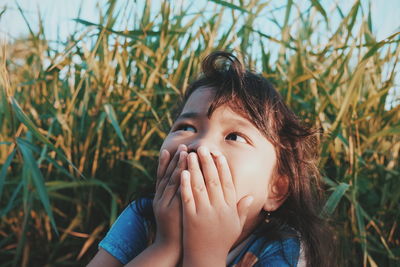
59, 185
114, 122
12, 200
4, 168
5, 143
353, 17
2, 12
47, 158
227, 4
335, 198
361, 228
26, 20
369, 21
386, 132
33, 129
378, 45
38, 180
135, 34
320, 9
287, 13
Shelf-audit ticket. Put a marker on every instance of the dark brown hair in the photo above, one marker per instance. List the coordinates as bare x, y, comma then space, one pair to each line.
296, 147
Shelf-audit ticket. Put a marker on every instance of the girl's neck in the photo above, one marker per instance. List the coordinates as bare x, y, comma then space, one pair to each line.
249, 228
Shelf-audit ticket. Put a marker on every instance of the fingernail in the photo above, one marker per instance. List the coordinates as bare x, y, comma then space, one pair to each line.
163, 153
181, 147
203, 151
181, 155
193, 155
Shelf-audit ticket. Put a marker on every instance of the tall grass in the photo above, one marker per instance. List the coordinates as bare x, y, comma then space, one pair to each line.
81, 122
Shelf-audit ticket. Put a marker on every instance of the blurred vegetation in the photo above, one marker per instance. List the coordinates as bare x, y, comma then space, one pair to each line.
81, 121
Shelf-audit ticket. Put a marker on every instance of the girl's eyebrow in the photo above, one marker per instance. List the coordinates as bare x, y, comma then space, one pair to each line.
190, 115
195, 115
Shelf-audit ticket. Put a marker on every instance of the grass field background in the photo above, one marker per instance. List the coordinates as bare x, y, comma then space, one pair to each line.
82, 120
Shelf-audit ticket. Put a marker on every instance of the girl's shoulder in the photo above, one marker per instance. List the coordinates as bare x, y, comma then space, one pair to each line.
262, 251
141, 203
127, 237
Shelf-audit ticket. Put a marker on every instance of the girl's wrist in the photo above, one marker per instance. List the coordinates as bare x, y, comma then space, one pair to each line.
166, 244
204, 259
168, 248
156, 255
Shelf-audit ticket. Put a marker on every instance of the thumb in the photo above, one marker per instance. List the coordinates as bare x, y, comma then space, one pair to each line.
243, 208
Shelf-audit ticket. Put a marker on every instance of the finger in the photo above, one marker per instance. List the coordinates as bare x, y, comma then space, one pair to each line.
182, 165
172, 186
225, 177
243, 208
199, 190
188, 203
211, 176
165, 178
162, 165
174, 161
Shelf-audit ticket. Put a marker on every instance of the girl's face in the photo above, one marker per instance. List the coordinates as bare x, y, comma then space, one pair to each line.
251, 157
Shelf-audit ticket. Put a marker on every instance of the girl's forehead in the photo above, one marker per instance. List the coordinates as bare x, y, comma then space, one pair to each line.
201, 99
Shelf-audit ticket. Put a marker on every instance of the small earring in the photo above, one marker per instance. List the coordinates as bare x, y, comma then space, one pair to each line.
268, 217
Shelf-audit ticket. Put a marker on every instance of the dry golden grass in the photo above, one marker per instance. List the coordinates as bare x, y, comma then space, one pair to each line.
81, 125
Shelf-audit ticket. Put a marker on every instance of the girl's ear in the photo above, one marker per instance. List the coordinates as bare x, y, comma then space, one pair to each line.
277, 193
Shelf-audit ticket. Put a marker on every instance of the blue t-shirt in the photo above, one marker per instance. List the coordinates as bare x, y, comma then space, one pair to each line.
127, 238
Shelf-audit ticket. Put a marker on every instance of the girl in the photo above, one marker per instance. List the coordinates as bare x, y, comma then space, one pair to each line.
237, 183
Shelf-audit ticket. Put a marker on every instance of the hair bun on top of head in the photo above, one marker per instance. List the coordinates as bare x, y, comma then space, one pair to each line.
234, 84
224, 66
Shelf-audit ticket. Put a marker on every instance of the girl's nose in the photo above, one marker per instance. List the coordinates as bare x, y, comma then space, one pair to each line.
194, 146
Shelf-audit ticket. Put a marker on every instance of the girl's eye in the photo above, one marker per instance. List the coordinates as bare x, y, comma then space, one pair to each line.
185, 127
236, 137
